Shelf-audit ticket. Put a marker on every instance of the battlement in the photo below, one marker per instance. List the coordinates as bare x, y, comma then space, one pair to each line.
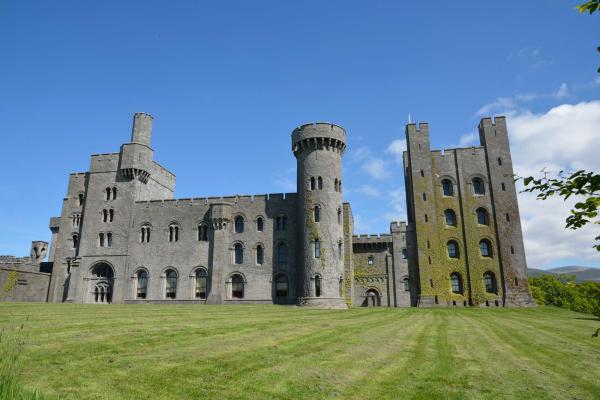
422, 127
205, 201
488, 121
372, 239
397, 226
318, 134
14, 260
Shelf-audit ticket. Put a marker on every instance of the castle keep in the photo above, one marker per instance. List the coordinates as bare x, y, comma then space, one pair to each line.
122, 237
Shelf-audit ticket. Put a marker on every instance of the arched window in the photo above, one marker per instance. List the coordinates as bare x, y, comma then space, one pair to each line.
339, 215
335, 184
406, 284
101, 239
340, 247
424, 196
171, 284
478, 186
452, 249
239, 224
447, 187
317, 248
340, 186
75, 240
108, 193
482, 216
450, 217
238, 250
114, 193
317, 285
370, 260
320, 183
312, 183
109, 239
102, 277
145, 234
490, 282
202, 233
173, 233
76, 220
281, 286
80, 198
485, 248
111, 215
282, 252
104, 215
281, 223
317, 213
237, 287
499, 161
260, 224
260, 254
201, 281
404, 254
141, 284
456, 283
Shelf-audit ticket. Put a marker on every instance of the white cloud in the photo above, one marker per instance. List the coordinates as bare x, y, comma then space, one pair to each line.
369, 191
468, 139
397, 148
562, 92
565, 137
510, 105
376, 168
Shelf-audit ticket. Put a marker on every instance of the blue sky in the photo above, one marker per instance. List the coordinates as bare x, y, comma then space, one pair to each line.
228, 81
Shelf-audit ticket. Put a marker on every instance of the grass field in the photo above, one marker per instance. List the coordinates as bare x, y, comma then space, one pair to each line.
273, 352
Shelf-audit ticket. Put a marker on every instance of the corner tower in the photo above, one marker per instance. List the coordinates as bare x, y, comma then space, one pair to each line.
318, 148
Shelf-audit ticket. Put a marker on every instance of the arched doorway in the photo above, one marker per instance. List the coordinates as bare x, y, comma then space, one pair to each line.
372, 299
101, 283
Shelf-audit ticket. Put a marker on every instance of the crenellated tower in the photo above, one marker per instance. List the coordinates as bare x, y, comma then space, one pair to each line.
318, 148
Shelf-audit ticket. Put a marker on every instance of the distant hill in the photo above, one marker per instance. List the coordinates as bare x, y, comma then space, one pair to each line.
581, 273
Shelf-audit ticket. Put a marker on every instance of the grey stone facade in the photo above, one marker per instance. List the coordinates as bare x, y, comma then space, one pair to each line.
123, 238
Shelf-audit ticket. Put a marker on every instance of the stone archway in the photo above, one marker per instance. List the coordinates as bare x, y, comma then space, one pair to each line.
372, 298
100, 285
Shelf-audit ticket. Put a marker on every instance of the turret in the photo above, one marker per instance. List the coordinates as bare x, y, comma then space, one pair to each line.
318, 148
136, 156
142, 129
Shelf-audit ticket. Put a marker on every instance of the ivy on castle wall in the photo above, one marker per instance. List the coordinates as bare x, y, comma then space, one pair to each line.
10, 283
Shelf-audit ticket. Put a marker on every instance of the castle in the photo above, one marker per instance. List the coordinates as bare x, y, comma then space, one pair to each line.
122, 237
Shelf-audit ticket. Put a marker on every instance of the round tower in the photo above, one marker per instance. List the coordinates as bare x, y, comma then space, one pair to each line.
318, 148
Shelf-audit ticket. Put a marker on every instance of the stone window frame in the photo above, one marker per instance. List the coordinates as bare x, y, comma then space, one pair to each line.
80, 198
229, 285
198, 229
340, 216
135, 282
235, 218
255, 251
316, 212
194, 282
281, 222
405, 283
487, 216
75, 239
472, 185
490, 248
446, 224
317, 285
163, 285
494, 282
176, 236
141, 237
76, 219
232, 250
459, 289
452, 187
370, 259
262, 219
340, 248
457, 243
275, 285
287, 251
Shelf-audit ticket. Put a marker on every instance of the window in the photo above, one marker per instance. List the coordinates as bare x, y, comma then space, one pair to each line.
101, 239
281, 286
171, 284
141, 284
499, 161
320, 183
340, 249
512, 250
80, 199
341, 286
370, 260
339, 216
317, 248
447, 187
317, 286
237, 287
421, 172
108, 193
75, 240
145, 234
173, 233
424, 196
482, 216
201, 281
312, 183
104, 215
317, 214
485, 248
490, 282
238, 251
478, 186
426, 218
340, 187
503, 185
76, 220
114, 193
202, 233
404, 254
406, 283
507, 218
450, 216
428, 244
452, 249
109, 239
456, 283
335, 184
260, 224
111, 215
281, 253
281, 223
239, 224
260, 254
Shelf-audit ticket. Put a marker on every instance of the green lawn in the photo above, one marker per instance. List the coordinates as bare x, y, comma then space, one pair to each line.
277, 352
